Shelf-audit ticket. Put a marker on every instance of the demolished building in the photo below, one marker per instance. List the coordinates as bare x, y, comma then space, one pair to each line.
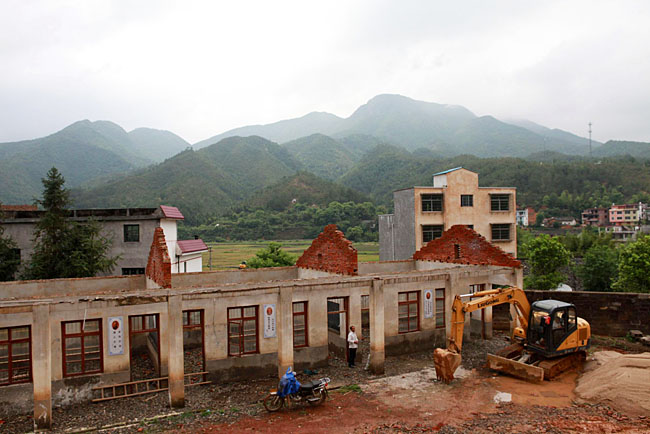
75, 339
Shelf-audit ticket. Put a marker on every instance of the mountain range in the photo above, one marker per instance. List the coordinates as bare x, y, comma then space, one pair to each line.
388, 143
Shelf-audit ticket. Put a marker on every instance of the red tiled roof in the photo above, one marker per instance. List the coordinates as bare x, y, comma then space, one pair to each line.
189, 246
18, 208
171, 212
472, 249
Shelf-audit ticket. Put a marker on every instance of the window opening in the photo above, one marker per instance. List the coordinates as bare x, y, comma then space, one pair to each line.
300, 335
501, 232
409, 311
431, 202
242, 331
15, 355
500, 202
131, 233
431, 232
82, 347
466, 200
440, 308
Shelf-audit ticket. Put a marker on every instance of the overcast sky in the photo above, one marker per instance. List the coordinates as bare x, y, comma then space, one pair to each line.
200, 68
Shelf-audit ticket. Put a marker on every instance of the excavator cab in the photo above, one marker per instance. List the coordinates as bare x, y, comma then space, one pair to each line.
551, 324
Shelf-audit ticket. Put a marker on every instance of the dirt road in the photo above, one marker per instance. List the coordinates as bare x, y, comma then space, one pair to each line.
414, 402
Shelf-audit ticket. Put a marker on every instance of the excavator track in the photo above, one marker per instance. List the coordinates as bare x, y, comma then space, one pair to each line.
554, 367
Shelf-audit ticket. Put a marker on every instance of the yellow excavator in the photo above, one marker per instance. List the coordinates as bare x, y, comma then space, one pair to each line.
548, 340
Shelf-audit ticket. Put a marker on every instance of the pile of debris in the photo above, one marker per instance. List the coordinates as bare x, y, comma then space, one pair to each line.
618, 380
638, 336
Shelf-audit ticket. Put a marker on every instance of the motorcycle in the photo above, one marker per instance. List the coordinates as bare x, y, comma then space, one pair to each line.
290, 392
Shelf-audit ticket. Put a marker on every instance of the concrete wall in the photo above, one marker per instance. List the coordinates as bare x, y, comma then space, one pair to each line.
91, 285
404, 230
386, 267
386, 237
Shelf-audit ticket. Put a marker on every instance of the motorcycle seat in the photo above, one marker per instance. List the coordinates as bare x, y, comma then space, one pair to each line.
309, 385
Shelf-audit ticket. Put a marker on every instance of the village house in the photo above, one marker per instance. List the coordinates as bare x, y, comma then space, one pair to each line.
70, 340
130, 229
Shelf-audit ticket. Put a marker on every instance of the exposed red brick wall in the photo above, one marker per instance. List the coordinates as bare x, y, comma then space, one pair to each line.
159, 266
330, 252
462, 245
18, 208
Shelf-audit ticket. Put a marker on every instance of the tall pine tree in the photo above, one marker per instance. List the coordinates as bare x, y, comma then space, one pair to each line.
64, 248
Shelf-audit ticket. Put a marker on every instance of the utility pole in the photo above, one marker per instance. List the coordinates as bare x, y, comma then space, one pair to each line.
590, 139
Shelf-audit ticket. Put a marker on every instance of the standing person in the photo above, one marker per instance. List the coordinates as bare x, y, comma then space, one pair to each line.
353, 344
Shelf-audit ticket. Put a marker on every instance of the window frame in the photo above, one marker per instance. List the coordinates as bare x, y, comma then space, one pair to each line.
240, 320
128, 234
466, 197
305, 330
433, 231
82, 335
442, 312
408, 317
9, 342
429, 199
500, 227
498, 200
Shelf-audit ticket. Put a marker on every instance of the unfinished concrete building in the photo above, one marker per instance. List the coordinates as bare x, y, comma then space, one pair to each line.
77, 339
422, 214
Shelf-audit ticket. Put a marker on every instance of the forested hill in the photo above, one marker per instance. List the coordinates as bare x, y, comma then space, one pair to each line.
82, 151
569, 186
618, 147
202, 182
447, 129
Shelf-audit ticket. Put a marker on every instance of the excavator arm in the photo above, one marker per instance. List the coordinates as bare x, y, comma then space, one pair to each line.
447, 361
481, 300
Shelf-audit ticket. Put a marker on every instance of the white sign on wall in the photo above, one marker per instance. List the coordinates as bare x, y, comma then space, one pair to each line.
269, 321
428, 303
115, 336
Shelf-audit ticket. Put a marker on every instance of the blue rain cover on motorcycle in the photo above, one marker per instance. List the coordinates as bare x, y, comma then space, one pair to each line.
288, 384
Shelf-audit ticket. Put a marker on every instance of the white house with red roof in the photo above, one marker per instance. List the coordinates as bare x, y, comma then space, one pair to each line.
131, 230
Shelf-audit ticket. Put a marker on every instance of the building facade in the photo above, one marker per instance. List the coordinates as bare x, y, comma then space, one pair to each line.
130, 229
422, 214
71, 339
595, 217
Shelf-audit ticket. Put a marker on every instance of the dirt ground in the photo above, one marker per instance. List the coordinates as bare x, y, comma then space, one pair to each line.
406, 399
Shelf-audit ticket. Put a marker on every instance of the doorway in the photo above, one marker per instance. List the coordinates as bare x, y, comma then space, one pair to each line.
194, 344
337, 327
144, 344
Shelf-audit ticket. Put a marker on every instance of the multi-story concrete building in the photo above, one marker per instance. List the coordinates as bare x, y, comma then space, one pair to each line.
627, 214
130, 229
595, 217
421, 214
72, 340
526, 216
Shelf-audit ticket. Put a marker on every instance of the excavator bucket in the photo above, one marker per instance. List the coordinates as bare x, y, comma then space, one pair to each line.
446, 363
515, 368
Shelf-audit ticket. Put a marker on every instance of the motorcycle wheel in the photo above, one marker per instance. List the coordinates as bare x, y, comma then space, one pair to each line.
321, 395
273, 403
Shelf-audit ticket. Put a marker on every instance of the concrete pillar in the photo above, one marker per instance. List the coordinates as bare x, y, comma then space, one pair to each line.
518, 277
377, 337
285, 329
354, 314
42, 366
175, 358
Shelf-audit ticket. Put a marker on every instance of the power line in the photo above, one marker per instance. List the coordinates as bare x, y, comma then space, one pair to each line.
590, 139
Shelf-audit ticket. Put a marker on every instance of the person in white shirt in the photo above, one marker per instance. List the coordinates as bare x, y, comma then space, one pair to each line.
353, 344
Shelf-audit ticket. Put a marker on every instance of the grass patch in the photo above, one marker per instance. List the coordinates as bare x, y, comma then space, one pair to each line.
228, 255
349, 388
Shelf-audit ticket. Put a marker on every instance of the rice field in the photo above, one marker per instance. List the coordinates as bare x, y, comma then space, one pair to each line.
229, 255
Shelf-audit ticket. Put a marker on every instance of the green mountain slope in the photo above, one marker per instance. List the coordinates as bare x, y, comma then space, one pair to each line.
620, 147
283, 131
82, 151
202, 182
156, 145
412, 124
305, 188
322, 155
